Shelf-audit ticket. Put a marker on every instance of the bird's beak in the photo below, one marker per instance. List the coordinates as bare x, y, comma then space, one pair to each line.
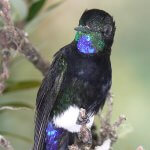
84, 29
78, 28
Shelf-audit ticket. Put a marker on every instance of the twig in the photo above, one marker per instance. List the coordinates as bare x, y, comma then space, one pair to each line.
85, 133
5, 143
5, 72
13, 108
5, 12
73, 147
84, 140
12, 37
108, 130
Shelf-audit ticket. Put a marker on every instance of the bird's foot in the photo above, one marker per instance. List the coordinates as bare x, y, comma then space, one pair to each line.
83, 118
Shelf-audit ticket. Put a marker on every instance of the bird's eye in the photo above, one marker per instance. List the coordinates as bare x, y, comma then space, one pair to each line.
107, 30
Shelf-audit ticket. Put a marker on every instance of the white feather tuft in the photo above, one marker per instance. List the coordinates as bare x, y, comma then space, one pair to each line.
68, 119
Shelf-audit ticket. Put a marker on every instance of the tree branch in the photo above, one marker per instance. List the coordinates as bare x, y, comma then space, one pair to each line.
84, 139
5, 143
109, 130
5, 72
12, 37
107, 134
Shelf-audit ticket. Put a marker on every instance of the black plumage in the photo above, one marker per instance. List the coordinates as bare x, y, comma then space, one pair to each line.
75, 78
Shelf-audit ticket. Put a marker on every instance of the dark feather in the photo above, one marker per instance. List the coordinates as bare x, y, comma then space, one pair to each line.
76, 78
46, 98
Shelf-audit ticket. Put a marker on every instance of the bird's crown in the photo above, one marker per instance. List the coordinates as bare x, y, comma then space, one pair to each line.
95, 31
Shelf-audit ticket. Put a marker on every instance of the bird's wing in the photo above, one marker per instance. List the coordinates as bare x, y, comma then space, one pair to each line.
46, 97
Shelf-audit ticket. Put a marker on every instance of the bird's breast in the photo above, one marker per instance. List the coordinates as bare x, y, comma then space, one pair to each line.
86, 70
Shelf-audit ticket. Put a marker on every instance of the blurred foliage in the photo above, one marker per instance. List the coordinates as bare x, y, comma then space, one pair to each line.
34, 9
51, 7
21, 85
130, 63
19, 9
16, 105
5, 133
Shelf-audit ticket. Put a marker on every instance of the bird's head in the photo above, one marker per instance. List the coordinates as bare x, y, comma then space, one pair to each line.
95, 32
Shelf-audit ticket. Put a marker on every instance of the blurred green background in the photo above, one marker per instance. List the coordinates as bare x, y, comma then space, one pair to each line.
50, 30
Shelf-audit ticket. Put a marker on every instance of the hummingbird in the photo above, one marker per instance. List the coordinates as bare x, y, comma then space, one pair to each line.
80, 76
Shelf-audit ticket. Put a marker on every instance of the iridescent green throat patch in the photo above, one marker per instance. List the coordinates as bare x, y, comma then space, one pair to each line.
89, 43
